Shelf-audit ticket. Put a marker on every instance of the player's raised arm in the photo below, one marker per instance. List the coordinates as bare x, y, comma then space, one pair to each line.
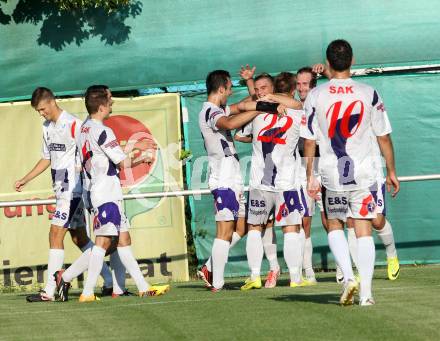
322, 70
39, 168
247, 73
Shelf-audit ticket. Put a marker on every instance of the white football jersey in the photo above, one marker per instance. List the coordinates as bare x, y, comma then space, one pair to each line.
344, 115
224, 165
275, 158
100, 154
60, 148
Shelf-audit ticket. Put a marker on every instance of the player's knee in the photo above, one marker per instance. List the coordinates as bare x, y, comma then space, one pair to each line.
56, 237
124, 239
378, 222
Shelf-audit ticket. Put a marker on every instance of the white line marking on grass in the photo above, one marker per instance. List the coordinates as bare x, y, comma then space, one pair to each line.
241, 297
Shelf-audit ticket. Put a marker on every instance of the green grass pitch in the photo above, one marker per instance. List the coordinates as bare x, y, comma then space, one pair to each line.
406, 309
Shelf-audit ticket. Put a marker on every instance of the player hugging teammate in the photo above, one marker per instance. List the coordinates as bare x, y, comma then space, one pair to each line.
349, 121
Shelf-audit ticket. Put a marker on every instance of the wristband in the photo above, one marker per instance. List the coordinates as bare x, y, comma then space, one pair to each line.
267, 107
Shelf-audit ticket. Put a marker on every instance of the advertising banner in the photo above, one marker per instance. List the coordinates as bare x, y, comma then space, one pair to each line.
157, 224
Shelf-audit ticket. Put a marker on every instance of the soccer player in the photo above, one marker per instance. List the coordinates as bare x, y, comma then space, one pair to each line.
305, 81
225, 181
59, 152
274, 186
101, 157
380, 224
263, 86
343, 115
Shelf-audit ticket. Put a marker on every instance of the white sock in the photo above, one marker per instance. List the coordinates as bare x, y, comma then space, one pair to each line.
270, 248
254, 252
352, 246
293, 255
219, 254
130, 264
339, 247
118, 273
55, 263
307, 258
105, 272
366, 257
302, 235
94, 268
387, 237
235, 238
78, 267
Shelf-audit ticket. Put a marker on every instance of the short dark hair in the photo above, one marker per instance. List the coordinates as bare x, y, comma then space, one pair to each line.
308, 69
285, 82
217, 79
95, 96
264, 75
339, 55
39, 94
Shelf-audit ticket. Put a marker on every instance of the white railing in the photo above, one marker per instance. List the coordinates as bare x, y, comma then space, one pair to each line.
181, 193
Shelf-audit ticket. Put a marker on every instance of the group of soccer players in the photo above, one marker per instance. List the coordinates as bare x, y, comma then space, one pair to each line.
288, 177
85, 159
348, 121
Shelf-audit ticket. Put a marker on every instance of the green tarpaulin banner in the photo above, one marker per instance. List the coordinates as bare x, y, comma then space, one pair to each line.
411, 102
152, 43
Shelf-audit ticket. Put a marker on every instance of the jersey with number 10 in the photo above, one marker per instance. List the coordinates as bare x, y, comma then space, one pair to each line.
344, 115
275, 161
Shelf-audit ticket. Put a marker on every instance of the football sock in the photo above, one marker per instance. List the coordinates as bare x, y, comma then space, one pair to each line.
307, 258
118, 273
270, 248
55, 263
219, 254
95, 265
339, 247
78, 267
105, 272
254, 252
235, 239
366, 257
293, 255
387, 237
127, 258
352, 246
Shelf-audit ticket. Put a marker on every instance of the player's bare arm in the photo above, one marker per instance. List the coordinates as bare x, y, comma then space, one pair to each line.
239, 107
386, 147
243, 139
322, 70
309, 153
236, 121
247, 73
39, 168
283, 99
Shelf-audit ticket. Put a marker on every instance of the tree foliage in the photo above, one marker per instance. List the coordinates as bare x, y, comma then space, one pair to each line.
108, 6
65, 22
